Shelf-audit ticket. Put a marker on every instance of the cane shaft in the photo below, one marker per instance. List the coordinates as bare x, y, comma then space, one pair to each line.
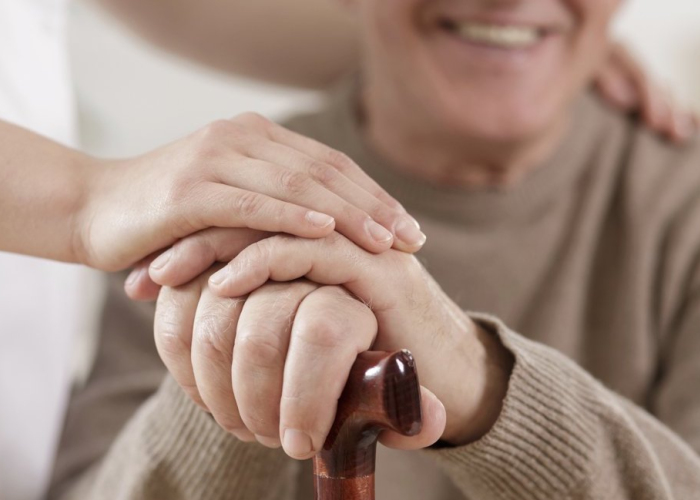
382, 392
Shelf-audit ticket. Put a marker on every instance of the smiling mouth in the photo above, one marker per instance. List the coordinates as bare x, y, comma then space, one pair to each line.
494, 35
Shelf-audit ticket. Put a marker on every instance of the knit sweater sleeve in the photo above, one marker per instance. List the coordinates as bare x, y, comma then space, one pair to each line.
172, 449
562, 434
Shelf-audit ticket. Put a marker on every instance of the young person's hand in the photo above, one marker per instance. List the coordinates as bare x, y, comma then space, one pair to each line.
625, 84
272, 367
247, 172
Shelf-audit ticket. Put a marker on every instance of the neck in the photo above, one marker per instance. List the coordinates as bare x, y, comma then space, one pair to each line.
453, 159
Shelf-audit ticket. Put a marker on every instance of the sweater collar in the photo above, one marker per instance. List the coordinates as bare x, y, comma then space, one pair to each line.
554, 179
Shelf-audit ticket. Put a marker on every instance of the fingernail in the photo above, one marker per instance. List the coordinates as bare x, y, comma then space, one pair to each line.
407, 232
131, 279
297, 443
270, 442
412, 219
379, 233
319, 219
218, 277
162, 259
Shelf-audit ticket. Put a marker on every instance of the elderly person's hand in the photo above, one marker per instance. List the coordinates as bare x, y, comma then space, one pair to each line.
247, 172
273, 366
464, 366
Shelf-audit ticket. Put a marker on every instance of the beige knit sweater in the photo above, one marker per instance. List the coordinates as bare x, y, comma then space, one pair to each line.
588, 271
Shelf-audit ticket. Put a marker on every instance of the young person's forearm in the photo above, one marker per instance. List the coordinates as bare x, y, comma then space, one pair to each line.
307, 43
42, 188
60, 204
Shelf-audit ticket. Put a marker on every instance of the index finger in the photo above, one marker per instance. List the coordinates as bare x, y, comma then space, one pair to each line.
343, 163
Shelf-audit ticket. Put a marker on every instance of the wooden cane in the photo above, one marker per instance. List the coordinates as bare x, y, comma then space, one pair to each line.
382, 392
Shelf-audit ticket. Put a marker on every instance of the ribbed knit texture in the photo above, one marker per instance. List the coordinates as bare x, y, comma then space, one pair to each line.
184, 454
588, 271
543, 443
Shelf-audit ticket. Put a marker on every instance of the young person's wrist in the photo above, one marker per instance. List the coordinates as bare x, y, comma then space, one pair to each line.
88, 173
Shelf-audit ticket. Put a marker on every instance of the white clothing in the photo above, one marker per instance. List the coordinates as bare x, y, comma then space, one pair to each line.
41, 302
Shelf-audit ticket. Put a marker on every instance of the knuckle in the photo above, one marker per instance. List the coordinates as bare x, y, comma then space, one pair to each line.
196, 247
213, 333
323, 173
178, 189
354, 215
251, 257
181, 193
260, 349
340, 160
323, 332
294, 183
341, 245
382, 213
211, 136
267, 249
338, 298
171, 342
219, 128
335, 238
252, 119
249, 204
257, 252
170, 335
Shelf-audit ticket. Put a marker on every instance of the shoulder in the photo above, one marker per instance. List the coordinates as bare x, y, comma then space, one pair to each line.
655, 206
654, 179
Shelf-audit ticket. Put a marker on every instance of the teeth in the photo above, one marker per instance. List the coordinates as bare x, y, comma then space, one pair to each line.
500, 36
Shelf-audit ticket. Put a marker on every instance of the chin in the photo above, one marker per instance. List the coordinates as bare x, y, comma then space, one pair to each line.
504, 119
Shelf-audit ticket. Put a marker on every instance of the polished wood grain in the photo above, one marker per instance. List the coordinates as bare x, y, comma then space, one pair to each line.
382, 392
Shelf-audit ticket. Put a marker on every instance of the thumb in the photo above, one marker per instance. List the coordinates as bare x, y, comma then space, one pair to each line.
434, 419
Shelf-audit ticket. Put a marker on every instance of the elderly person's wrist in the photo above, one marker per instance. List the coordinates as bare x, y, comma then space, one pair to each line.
479, 386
